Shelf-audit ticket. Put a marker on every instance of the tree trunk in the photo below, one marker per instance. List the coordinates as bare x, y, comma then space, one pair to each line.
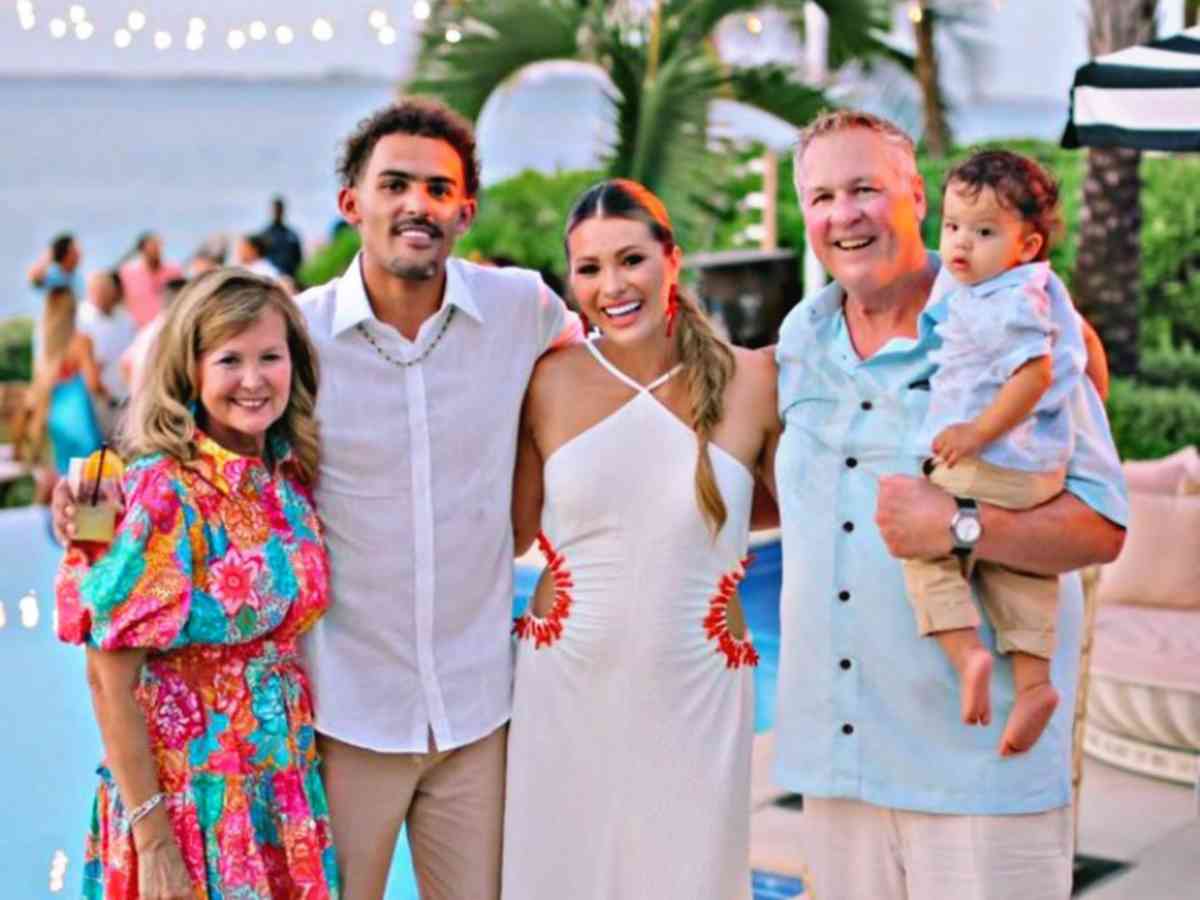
1107, 277
937, 133
1107, 281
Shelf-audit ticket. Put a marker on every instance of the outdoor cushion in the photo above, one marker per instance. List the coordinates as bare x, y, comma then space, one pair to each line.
1160, 562
1166, 475
1145, 675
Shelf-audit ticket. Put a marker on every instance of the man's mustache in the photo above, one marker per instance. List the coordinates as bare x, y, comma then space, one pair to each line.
422, 224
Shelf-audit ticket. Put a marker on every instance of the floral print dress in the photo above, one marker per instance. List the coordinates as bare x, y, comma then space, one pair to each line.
217, 568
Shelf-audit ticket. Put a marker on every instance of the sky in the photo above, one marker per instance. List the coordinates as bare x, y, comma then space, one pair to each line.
28, 45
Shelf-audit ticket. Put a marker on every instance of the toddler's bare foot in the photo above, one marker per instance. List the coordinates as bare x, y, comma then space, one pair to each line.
974, 687
1032, 710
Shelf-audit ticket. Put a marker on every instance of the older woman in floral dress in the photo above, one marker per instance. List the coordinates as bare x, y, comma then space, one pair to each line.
211, 785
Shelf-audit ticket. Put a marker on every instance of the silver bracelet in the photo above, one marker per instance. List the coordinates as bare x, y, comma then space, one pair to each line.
145, 809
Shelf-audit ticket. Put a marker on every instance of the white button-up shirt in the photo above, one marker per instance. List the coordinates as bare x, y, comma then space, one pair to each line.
414, 491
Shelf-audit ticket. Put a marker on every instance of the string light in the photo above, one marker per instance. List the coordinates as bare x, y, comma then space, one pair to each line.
322, 30
421, 10
754, 24
58, 871
453, 35
29, 605
75, 19
915, 12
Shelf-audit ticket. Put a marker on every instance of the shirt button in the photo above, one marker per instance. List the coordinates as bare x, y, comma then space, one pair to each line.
845, 664
851, 462
843, 596
847, 526
866, 405
847, 728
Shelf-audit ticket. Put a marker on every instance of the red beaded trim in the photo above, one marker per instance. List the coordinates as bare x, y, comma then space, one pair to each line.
545, 631
738, 651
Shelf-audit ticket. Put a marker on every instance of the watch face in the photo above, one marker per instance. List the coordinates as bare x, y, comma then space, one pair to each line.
967, 529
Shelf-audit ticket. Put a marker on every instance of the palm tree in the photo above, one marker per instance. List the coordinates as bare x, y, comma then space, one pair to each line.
1107, 279
659, 57
937, 131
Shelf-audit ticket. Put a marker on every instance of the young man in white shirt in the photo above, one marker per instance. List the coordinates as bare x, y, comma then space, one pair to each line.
424, 364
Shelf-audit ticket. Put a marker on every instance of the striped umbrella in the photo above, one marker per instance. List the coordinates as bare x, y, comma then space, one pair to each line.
1145, 97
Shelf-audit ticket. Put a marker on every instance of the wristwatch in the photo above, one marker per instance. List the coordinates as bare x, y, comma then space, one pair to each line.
965, 527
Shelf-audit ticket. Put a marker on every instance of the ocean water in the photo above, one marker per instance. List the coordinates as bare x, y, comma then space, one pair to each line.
107, 159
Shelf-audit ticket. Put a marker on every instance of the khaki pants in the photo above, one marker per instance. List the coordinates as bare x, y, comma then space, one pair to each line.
452, 802
1022, 606
856, 851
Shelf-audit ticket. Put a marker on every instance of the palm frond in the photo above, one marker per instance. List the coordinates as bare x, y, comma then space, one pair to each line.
774, 89
498, 40
856, 29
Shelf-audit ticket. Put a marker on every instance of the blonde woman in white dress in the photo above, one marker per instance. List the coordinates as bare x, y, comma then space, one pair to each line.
629, 748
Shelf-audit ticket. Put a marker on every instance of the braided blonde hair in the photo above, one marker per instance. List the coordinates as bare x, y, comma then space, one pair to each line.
708, 362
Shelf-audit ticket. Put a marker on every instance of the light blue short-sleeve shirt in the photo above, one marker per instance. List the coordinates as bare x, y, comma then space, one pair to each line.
989, 331
867, 709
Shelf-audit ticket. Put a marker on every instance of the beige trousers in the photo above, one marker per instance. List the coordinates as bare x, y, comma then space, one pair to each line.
452, 802
1022, 606
857, 851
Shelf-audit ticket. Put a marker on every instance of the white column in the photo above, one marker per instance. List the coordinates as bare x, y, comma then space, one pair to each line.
816, 64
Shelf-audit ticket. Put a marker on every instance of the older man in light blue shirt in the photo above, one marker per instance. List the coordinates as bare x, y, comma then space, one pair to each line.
903, 800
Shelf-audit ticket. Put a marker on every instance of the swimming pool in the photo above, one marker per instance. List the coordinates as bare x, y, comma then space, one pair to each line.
51, 745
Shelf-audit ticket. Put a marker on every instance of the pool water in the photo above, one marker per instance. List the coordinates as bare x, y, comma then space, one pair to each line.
51, 744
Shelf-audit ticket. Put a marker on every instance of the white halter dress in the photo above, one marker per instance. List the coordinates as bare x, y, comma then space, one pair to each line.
633, 712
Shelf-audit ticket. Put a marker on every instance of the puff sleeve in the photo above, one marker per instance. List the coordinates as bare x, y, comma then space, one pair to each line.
138, 594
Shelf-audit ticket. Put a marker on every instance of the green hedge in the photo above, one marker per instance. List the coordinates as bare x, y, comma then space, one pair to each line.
1151, 422
1170, 368
16, 349
331, 260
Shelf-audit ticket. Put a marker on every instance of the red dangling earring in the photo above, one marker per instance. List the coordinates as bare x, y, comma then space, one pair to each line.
672, 307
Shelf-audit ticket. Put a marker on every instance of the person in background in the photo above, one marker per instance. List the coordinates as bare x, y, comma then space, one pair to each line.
282, 244
133, 360
103, 318
67, 387
209, 255
210, 785
250, 254
144, 278
58, 265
